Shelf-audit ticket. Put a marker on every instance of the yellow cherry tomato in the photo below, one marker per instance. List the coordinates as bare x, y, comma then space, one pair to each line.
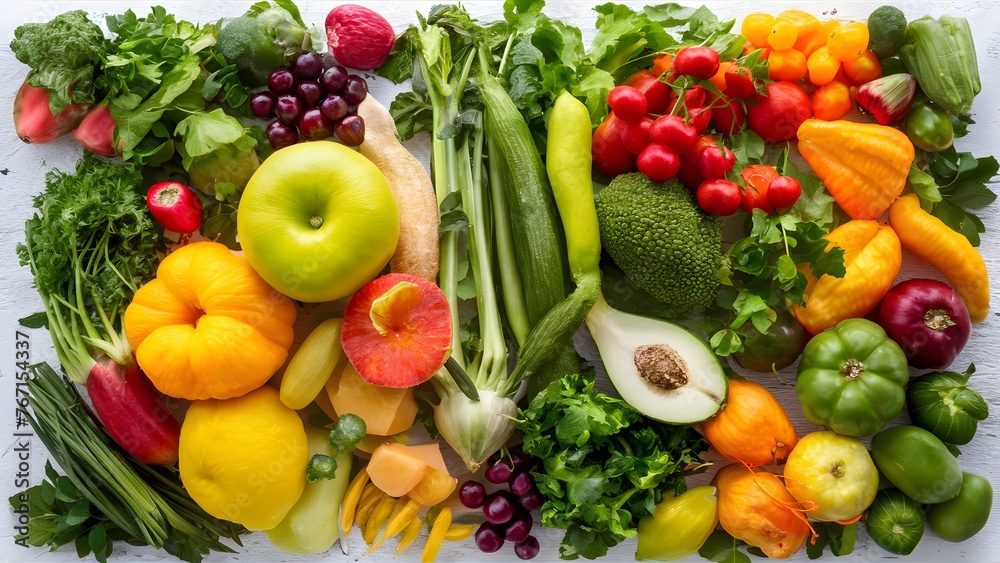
848, 41
864, 68
822, 66
783, 35
756, 28
832, 101
789, 65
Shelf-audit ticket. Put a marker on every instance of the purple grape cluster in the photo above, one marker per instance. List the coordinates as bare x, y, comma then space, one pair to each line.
507, 511
312, 100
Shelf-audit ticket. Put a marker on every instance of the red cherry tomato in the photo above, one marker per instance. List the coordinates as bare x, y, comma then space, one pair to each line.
739, 83
697, 62
657, 93
757, 178
700, 118
715, 162
627, 102
719, 197
635, 135
783, 192
658, 162
610, 155
670, 130
729, 118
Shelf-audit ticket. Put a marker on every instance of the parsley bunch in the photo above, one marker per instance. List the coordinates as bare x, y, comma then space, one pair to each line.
604, 465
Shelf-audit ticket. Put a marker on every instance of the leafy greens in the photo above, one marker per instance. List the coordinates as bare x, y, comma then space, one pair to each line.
604, 465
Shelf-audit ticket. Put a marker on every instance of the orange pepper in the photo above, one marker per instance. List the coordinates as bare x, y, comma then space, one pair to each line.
872, 257
863, 165
950, 252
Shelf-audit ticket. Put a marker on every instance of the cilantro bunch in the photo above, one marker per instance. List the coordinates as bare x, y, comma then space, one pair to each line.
604, 465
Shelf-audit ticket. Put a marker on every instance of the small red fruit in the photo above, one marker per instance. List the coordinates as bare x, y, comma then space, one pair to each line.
397, 330
33, 119
609, 153
700, 118
635, 135
757, 178
659, 163
719, 197
778, 116
670, 130
358, 37
175, 206
739, 82
697, 62
783, 192
627, 102
729, 117
657, 92
715, 162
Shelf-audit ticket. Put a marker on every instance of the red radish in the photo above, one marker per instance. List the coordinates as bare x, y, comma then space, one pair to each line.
33, 120
358, 37
929, 321
97, 132
133, 412
694, 97
175, 206
670, 130
783, 192
719, 197
628, 103
715, 162
659, 163
635, 135
697, 62
699, 118
397, 330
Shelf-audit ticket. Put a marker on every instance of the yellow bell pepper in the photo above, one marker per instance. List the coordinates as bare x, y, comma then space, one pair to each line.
950, 252
208, 326
863, 165
872, 257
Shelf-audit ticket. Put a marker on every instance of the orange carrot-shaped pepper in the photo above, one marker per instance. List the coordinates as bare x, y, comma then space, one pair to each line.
950, 252
863, 165
872, 257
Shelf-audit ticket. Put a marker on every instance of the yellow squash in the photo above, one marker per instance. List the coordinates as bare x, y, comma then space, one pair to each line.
872, 257
863, 165
950, 252
208, 326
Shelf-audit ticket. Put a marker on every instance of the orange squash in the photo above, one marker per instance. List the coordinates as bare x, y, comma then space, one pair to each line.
755, 507
208, 326
752, 427
385, 410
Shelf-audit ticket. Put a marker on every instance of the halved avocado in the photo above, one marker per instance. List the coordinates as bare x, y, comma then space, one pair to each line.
658, 367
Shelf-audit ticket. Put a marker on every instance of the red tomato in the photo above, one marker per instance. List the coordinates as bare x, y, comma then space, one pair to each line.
627, 102
757, 178
697, 62
610, 155
783, 192
657, 92
659, 163
730, 118
670, 130
777, 117
719, 197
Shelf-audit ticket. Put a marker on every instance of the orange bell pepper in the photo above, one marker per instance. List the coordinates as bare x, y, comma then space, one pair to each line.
863, 165
950, 252
872, 257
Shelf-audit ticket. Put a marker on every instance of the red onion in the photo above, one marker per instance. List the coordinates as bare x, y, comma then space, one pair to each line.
929, 321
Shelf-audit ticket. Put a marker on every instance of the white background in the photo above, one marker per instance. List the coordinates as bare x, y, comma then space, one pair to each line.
22, 169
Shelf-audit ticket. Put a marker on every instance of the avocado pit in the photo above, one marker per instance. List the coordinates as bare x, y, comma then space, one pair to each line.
661, 366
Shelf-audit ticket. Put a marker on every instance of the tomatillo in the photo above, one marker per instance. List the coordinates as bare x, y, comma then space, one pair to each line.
851, 378
965, 515
929, 127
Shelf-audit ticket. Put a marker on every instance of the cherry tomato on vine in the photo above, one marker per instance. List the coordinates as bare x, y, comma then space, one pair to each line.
783, 192
670, 130
657, 92
628, 103
635, 135
719, 197
715, 162
697, 62
729, 118
658, 162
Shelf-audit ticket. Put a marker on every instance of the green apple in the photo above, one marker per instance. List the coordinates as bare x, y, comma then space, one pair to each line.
317, 221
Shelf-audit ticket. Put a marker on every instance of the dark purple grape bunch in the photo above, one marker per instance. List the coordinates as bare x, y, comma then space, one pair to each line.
313, 101
507, 511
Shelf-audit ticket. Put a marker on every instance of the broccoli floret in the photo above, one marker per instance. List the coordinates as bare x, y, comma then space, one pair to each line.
661, 239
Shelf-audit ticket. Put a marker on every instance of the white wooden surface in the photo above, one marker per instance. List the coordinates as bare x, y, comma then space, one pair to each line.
22, 169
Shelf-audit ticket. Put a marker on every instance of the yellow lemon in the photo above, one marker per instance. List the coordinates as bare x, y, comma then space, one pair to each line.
244, 459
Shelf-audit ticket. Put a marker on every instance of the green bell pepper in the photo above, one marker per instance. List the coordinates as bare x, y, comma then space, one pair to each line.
851, 378
929, 127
